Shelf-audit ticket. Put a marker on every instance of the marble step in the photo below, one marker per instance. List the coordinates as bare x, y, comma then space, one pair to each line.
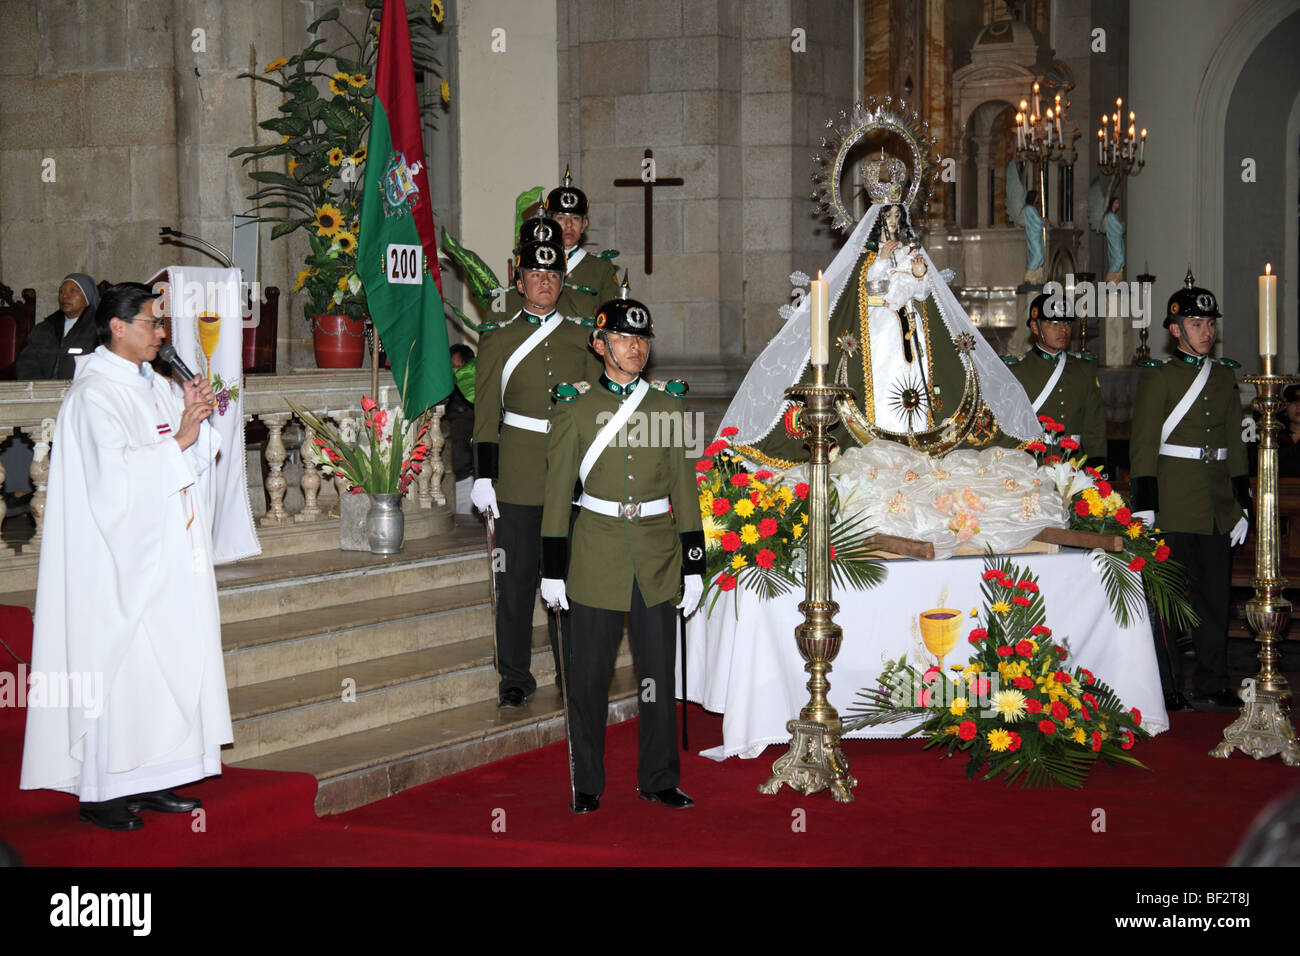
359, 768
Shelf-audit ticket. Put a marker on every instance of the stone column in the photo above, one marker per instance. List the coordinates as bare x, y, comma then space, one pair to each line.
275, 456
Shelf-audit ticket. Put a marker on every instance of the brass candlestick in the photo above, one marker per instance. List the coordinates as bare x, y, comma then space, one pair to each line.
815, 761
1264, 725
1143, 350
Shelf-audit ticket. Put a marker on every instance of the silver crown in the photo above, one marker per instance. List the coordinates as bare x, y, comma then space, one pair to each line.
886, 178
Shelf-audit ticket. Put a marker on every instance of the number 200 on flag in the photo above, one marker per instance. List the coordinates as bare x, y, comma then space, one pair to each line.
404, 265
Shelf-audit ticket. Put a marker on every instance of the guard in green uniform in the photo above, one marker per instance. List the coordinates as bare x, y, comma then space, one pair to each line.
637, 545
1190, 474
519, 362
1062, 384
589, 279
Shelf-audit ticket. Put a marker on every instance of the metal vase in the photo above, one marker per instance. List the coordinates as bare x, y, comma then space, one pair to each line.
385, 524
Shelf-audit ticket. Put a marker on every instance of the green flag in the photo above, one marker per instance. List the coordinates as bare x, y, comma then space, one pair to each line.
397, 255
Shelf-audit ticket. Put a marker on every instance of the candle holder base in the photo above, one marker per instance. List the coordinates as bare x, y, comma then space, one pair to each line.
813, 763
1263, 729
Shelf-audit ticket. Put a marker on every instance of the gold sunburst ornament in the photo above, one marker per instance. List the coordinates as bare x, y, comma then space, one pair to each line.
852, 126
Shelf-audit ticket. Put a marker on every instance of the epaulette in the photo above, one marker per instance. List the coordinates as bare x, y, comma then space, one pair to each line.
1083, 356
1228, 363
1011, 359
1152, 363
493, 326
586, 321
568, 391
607, 254
674, 387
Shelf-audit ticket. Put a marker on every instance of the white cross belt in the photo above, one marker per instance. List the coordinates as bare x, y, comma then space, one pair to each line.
526, 422
1195, 454
624, 509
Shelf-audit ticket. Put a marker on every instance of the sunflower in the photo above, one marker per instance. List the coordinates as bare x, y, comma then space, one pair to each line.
336, 156
328, 220
302, 279
360, 155
445, 90
358, 80
347, 242
343, 283
339, 83
436, 11
277, 64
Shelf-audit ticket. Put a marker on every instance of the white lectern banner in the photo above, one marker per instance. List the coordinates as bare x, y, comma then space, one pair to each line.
207, 330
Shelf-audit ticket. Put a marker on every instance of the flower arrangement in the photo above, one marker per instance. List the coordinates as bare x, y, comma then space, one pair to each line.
755, 529
384, 460
324, 127
1144, 566
1015, 709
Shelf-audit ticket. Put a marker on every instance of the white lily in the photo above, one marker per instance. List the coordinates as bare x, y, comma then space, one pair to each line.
1069, 479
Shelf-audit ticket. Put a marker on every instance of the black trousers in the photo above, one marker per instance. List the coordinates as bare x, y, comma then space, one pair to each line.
591, 645
1208, 561
519, 539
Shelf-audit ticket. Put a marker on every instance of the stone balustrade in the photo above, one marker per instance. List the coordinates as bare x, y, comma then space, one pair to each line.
29, 409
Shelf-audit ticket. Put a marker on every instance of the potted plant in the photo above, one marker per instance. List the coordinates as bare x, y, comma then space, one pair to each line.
381, 463
324, 127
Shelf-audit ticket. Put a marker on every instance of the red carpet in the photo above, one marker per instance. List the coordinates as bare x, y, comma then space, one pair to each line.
912, 808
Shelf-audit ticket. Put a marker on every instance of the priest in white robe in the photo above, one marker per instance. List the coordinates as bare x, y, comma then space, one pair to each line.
127, 625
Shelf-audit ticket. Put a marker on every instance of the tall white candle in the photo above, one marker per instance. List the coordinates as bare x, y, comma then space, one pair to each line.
1268, 312
820, 317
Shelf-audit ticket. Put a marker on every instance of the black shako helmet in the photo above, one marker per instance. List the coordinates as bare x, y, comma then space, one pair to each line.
1191, 302
1038, 310
545, 256
538, 229
566, 200
625, 316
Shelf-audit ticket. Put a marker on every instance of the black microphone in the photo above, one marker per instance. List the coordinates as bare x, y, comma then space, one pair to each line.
168, 354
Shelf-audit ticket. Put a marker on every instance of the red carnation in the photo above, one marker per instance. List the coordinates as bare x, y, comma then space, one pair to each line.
1046, 419
762, 474
1069, 444
1059, 710
1087, 716
720, 507
992, 574
726, 582
1015, 741
1089, 700
699, 480
1124, 516
1061, 652
740, 479
764, 558
931, 674
728, 432
1036, 446
1047, 727
368, 404
1056, 427
704, 464
978, 634
1041, 629
1006, 650
1088, 679
716, 447
1021, 600
1006, 582
1137, 715
731, 541
753, 498
832, 552
1081, 508
1061, 677
1162, 552
980, 687
1127, 743
801, 490
767, 527
1103, 487
1096, 740
1137, 564
1029, 586
1053, 459
923, 698
1025, 649
967, 730
1024, 683
1033, 706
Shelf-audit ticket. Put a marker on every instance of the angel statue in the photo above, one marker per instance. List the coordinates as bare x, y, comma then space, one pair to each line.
1022, 209
1103, 217
919, 371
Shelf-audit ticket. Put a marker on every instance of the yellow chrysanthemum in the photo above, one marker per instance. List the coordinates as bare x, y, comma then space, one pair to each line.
279, 63
999, 740
951, 729
336, 156
347, 242
744, 507
1001, 607
360, 155
1134, 531
1096, 508
445, 91
1068, 722
785, 494
958, 706
712, 533
749, 534
293, 164
343, 283
339, 84
1113, 502
1075, 703
1091, 494
1010, 705
706, 503
796, 532
436, 11
969, 670
737, 562
329, 219
974, 612
301, 281
357, 79
1078, 736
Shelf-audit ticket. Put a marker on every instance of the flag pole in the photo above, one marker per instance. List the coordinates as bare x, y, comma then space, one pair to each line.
374, 362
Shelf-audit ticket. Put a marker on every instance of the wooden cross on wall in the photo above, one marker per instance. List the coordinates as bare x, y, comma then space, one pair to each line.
648, 180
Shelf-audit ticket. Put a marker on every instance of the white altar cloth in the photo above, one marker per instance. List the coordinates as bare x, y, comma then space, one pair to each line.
746, 666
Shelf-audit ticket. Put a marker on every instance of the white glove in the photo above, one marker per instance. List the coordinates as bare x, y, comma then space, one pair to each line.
1238, 533
553, 595
484, 497
1148, 518
692, 591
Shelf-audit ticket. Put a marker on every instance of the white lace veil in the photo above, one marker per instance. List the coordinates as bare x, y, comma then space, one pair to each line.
760, 400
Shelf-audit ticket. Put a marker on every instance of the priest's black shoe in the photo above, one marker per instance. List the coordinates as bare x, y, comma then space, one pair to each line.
111, 815
511, 697
585, 802
1177, 702
164, 801
672, 798
1220, 698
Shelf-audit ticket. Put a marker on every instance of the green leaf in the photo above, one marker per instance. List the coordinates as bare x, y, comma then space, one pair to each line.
323, 18
336, 116
271, 177
522, 202
285, 125
285, 228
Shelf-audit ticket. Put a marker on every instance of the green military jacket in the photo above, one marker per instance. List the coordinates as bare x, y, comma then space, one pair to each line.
1193, 495
515, 458
647, 460
591, 272
1076, 400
